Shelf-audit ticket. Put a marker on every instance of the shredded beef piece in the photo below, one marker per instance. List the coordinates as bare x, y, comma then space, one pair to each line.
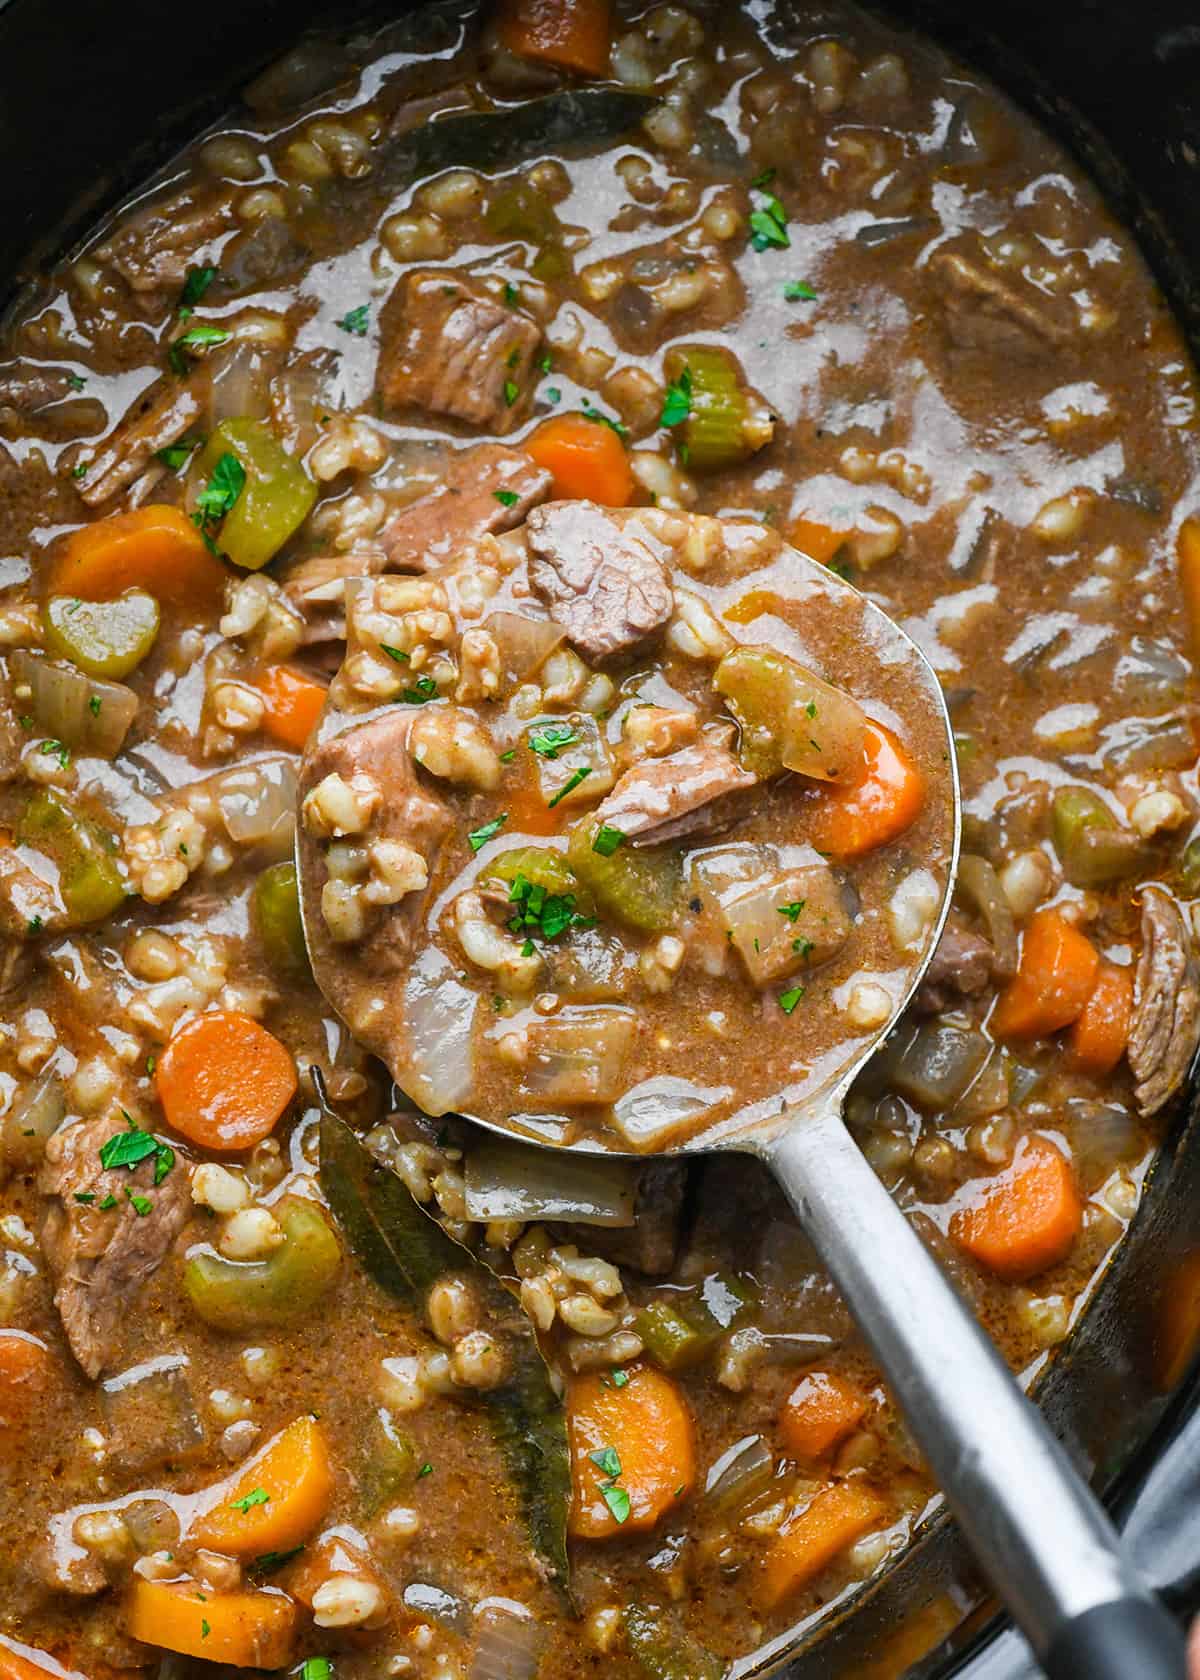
1165, 1029
985, 309
688, 792
101, 1256
963, 966
600, 574
451, 349
471, 502
160, 417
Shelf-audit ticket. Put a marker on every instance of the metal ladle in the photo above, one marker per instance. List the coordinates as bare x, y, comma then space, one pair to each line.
1040, 1535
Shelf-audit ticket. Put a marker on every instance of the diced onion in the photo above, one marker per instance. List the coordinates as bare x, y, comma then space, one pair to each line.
654, 1113
508, 1642
1151, 743
512, 1181
579, 1054
30, 1122
938, 1064
87, 714
435, 1604
439, 1014
258, 803
980, 885
525, 643
240, 384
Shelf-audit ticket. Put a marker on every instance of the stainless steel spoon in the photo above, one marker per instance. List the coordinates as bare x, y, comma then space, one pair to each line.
1040, 1535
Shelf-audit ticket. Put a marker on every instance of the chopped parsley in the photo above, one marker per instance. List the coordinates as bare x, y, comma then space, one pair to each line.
76, 381
34, 925
797, 291
87, 1197
677, 403
479, 837
527, 950
811, 709
507, 757
511, 391
194, 340
569, 786
803, 947
205, 1630
94, 705
620, 1378
110, 1201
426, 1468
553, 394
355, 321
275, 1560
546, 363
219, 496
198, 280
398, 654
537, 911
594, 414
256, 1496
606, 839
130, 1148
549, 739
142, 1205
80, 471
506, 498
617, 1501
792, 910
511, 294
174, 455
316, 1668
768, 220
608, 1461
789, 999
53, 748
424, 689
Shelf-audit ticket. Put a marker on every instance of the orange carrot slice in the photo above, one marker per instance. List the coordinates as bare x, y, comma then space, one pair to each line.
1026, 1219
819, 1413
586, 459
809, 1542
646, 1427
277, 1500
847, 819
576, 34
1054, 979
1098, 1038
224, 1081
294, 704
156, 548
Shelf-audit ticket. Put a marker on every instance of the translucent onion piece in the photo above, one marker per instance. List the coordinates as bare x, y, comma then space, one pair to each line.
525, 643
435, 1604
240, 384
1151, 743
739, 1475
508, 1642
980, 885
658, 1111
578, 1055
510, 1181
31, 1120
438, 1015
938, 1064
87, 714
258, 803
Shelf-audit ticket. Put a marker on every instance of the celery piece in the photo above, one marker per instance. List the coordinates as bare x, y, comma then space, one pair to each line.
102, 638
89, 877
239, 1295
1092, 848
274, 501
276, 907
714, 432
640, 886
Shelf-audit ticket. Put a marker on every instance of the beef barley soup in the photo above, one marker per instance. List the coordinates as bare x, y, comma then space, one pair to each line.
443, 466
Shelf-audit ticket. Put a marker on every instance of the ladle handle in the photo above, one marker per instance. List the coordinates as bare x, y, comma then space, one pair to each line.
1041, 1536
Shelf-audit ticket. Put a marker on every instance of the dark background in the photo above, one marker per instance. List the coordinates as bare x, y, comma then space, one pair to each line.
94, 96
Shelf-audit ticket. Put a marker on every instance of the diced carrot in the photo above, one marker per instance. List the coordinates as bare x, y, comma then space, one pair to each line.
586, 458
223, 1081
647, 1427
1187, 550
254, 1629
576, 34
276, 1500
847, 819
819, 1413
1054, 980
1100, 1034
817, 539
28, 1373
14, 1666
156, 548
837, 1517
1027, 1218
294, 704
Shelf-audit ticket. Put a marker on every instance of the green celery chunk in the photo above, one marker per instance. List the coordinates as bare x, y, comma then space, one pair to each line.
1092, 848
89, 877
542, 867
102, 638
521, 212
390, 1465
716, 432
790, 718
1189, 869
275, 500
237, 1295
640, 886
276, 908
680, 1333
663, 1650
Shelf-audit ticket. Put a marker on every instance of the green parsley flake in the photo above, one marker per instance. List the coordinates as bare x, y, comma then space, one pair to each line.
803, 947
768, 224
427, 1469
256, 1496
126, 1149
620, 1378
569, 786
617, 1501
80, 471
275, 1560
174, 455
792, 910
194, 287
76, 381
553, 394
94, 705
677, 404
425, 689
789, 1000
511, 392
511, 294
398, 654
34, 925
53, 748
608, 1461
205, 1630
606, 839
549, 739
192, 342
537, 911
87, 1197
316, 1668
142, 1205
355, 321
479, 837
110, 1201
594, 414
507, 757
506, 498
799, 291
220, 494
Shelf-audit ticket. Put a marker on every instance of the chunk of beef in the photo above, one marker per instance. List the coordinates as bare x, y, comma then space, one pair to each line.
150, 1415
602, 576
963, 966
986, 309
317, 588
28, 903
651, 1243
158, 418
153, 251
688, 792
28, 387
380, 753
1165, 1029
451, 349
102, 1255
472, 501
